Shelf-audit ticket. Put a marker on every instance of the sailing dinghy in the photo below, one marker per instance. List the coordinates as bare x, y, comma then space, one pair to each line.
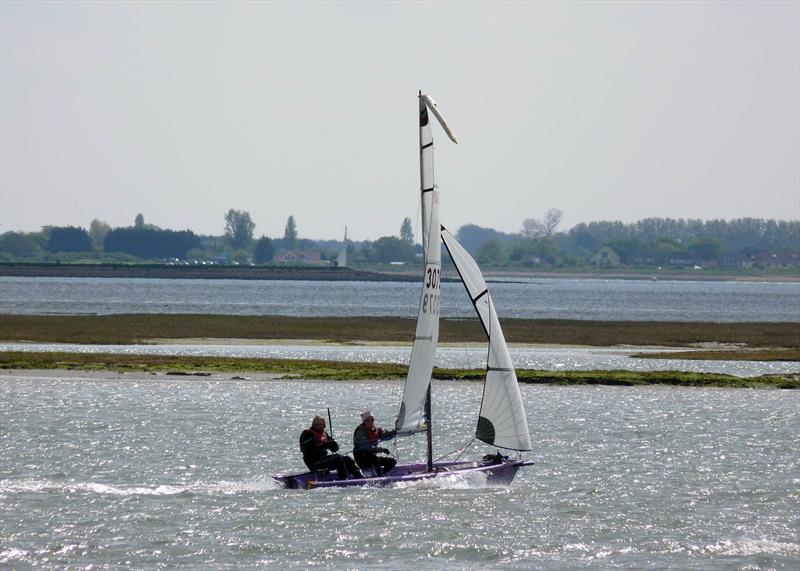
501, 422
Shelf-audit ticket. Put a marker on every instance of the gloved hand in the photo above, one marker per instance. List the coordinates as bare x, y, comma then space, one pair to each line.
384, 450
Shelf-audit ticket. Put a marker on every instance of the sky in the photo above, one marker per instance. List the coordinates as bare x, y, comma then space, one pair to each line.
604, 110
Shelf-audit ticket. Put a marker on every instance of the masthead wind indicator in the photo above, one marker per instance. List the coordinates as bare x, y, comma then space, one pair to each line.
431, 104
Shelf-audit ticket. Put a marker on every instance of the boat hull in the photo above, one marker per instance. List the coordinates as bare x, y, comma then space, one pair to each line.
496, 472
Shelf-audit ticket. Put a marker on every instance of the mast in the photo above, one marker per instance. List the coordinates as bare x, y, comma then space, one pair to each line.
429, 466
413, 416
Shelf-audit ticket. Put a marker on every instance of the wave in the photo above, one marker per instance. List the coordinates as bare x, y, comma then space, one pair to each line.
223, 487
744, 547
468, 481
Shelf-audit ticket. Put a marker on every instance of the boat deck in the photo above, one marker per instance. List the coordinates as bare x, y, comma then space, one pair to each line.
496, 471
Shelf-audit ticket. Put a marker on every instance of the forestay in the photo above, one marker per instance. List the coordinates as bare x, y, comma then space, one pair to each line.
502, 421
423, 352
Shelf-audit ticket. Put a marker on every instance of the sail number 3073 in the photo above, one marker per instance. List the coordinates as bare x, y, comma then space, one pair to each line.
430, 300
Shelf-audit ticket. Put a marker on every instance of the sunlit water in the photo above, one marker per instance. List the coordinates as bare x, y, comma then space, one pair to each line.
539, 358
601, 299
106, 471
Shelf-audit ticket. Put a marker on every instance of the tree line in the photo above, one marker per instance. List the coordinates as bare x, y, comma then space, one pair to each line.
648, 241
143, 241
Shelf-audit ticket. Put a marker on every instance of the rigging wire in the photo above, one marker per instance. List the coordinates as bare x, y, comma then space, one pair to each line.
460, 453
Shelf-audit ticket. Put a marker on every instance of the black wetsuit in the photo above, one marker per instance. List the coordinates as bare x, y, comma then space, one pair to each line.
366, 451
315, 446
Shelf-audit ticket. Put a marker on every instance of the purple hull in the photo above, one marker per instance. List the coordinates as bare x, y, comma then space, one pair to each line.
496, 472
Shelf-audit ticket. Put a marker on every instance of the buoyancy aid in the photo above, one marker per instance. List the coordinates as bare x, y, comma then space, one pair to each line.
373, 435
320, 436
314, 445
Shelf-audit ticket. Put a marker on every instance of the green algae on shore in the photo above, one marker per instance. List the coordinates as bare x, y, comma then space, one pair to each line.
335, 370
777, 354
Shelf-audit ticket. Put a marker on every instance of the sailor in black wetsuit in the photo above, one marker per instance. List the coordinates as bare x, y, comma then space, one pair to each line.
315, 444
366, 439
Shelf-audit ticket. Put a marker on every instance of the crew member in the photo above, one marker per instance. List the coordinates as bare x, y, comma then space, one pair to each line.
315, 444
366, 438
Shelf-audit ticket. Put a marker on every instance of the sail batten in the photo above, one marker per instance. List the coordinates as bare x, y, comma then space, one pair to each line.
480, 295
502, 421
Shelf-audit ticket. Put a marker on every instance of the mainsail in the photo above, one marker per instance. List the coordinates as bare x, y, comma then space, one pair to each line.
502, 421
412, 416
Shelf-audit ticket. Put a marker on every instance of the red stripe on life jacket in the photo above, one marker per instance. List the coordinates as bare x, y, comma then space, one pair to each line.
319, 436
373, 435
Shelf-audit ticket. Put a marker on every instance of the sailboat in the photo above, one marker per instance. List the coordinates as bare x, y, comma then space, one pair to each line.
502, 422
341, 259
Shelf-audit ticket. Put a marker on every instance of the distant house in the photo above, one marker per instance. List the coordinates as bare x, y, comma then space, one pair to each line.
606, 257
780, 260
776, 260
750, 257
298, 256
730, 261
681, 259
643, 259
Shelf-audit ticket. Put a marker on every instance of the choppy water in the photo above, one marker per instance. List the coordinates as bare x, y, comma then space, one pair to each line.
133, 471
541, 358
627, 300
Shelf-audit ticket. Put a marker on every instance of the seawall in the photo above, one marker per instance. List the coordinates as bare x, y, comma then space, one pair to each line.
165, 271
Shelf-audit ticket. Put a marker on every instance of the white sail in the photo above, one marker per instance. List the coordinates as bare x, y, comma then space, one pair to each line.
412, 408
341, 259
502, 421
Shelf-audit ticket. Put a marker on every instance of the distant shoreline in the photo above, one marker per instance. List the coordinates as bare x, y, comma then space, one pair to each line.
332, 273
216, 272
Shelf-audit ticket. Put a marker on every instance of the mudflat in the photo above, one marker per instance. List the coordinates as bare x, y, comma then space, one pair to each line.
730, 341
142, 328
742, 340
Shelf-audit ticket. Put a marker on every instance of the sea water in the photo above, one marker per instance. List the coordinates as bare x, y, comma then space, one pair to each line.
557, 298
137, 471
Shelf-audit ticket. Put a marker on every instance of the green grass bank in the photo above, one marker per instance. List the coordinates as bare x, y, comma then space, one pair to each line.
335, 370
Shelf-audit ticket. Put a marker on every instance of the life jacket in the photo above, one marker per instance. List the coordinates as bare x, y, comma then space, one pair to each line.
373, 434
319, 437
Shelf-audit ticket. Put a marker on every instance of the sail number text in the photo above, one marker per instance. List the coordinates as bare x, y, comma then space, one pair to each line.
430, 301
432, 278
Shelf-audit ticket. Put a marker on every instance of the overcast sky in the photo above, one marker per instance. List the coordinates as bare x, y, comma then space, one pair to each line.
605, 110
